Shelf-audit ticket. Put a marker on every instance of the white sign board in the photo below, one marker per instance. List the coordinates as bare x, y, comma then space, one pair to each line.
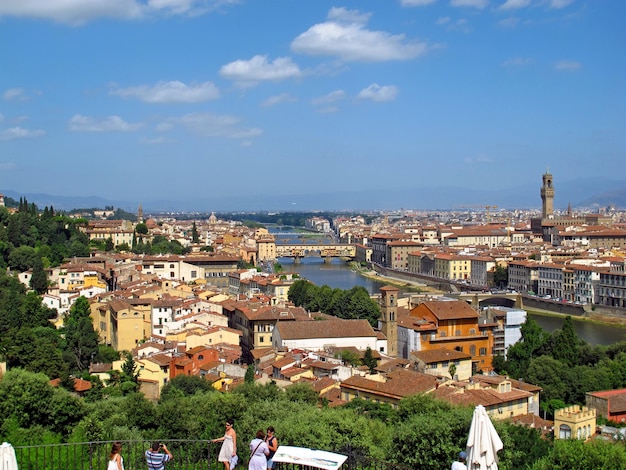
309, 457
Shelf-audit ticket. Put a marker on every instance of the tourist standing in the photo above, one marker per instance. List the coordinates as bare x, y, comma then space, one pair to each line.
272, 445
460, 463
157, 455
229, 444
116, 462
258, 452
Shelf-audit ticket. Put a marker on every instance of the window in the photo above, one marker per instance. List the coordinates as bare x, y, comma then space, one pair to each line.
483, 351
472, 331
442, 334
565, 432
473, 350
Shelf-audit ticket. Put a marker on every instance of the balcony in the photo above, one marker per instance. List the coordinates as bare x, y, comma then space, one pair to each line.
187, 455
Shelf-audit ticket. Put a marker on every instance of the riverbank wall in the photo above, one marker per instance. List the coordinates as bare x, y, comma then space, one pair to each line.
596, 313
562, 308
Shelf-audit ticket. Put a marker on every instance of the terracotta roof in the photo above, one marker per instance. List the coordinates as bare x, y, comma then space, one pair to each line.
446, 310
400, 383
325, 329
439, 355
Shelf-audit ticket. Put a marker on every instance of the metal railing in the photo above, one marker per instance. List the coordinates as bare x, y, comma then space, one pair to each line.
187, 455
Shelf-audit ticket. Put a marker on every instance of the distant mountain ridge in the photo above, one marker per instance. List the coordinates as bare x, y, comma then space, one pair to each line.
581, 193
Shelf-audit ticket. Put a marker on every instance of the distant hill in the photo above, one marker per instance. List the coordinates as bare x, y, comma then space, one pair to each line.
581, 193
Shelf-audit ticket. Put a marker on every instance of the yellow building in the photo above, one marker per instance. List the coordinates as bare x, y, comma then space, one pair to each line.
266, 248
574, 422
212, 336
452, 266
122, 324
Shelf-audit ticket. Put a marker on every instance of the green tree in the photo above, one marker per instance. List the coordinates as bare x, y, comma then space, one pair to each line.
249, 377
298, 292
141, 228
430, 440
565, 344
185, 385
301, 393
195, 237
369, 360
31, 401
39, 279
550, 375
501, 276
574, 453
130, 372
81, 338
22, 258
529, 346
108, 245
37, 349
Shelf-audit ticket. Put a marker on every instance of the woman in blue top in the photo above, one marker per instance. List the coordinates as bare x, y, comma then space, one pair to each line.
272, 445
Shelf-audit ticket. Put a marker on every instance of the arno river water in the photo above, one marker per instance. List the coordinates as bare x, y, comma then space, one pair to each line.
339, 275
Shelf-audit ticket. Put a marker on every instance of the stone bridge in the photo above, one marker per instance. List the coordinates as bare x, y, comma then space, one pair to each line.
326, 251
483, 299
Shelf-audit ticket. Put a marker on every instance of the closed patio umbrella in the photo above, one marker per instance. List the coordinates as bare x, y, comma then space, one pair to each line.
7, 457
483, 442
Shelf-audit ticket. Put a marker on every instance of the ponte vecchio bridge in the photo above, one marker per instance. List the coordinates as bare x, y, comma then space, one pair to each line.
305, 250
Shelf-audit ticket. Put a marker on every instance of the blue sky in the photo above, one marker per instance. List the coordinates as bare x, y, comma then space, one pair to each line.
149, 99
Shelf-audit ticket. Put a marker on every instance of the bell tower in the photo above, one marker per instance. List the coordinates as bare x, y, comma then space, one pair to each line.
547, 196
389, 319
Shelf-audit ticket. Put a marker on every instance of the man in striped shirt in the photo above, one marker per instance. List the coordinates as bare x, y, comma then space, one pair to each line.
156, 459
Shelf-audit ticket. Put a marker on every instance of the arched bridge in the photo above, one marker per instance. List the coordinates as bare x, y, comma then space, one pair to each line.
303, 250
482, 299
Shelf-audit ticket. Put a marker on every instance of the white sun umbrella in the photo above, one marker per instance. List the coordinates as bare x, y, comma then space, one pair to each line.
7, 457
483, 442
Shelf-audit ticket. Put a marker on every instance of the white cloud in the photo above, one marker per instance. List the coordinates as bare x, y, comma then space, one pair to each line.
469, 3
260, 69
351, 41
278, 99
416, 3
78, 12
80, 123
74, 12
344, 15
331, 97
170, 92
212, 125
515, 4
443, 20
14, 94
516, 62
20, 133
567, 65
559, 3
188, 7
375, 92
7, 166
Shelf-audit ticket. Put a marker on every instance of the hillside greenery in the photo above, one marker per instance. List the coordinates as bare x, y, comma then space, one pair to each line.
421, 432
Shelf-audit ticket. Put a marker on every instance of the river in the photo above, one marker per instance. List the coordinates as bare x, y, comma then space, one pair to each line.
339, 275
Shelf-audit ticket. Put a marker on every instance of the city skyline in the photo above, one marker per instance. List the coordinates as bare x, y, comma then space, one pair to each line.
186, 100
